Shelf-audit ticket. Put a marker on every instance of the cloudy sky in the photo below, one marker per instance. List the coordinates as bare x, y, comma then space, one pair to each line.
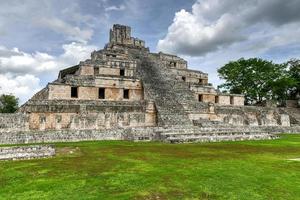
40, 37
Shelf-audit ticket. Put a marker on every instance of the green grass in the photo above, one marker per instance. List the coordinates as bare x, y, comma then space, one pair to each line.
128, 170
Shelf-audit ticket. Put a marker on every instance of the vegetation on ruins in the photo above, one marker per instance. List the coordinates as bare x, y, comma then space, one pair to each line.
130, 170
260, 80
294, 69
8, 103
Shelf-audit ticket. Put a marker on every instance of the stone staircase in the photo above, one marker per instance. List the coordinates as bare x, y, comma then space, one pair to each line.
180, 134
170, 95
174, 100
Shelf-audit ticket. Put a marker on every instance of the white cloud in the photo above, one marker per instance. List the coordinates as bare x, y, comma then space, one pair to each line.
69, 22
60, 26
115, 8
23, 86
215, 24
21, 72
36, 63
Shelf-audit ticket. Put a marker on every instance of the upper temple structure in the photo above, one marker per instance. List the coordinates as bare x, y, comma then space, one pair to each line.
126, 92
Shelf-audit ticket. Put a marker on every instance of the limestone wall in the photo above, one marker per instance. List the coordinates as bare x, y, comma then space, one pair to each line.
26, 152
118, 83
224, 99
80, 115
27, 137
114, 71
238, 100
230, 99
13, 122
191, 76
206, 98
122, 35
97, 121
59, 91
292, 103
173, 61
86, 70
114, 89
252, 116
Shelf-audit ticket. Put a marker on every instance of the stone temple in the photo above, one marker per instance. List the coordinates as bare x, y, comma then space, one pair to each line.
125, 92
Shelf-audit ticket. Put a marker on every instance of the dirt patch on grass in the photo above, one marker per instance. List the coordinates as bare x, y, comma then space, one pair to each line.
295, 159
68, 151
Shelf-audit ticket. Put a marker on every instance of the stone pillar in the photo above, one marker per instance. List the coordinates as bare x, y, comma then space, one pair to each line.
150, 118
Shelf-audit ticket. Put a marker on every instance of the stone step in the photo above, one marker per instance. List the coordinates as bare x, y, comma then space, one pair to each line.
161, 87
217, 137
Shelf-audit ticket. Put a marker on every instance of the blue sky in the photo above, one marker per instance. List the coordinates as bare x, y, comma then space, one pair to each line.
38, 38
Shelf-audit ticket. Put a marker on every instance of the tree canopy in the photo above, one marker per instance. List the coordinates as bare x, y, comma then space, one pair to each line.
294, 69
8, 103
260, 79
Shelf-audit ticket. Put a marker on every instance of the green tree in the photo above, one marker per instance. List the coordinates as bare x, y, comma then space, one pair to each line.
257, 79
294, 73
8, 103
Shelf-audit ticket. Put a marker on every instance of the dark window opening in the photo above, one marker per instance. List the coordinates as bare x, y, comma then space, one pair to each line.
217, 99
231, 100
173, 64
101, 94
74, 92
42, 119
58, 118
122, 72
126, 94
200, 81
200, 97
96, 71
183, 78
111, 55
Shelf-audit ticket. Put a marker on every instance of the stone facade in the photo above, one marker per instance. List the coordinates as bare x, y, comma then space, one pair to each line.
124, 87
26, 152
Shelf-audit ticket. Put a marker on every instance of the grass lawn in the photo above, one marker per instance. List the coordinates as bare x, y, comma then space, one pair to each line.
128, 170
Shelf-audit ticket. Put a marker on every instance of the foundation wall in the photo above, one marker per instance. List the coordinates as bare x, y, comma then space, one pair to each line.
26, 152
13, 122
53, 115
90, 121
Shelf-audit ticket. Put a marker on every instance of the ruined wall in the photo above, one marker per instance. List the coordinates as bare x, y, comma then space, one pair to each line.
46, 136
252, 116
191, 76
97, 121
26, 152
42, 94
206, 98
13, 122
121, 34
51, 115
230, 99
114, 89
292, 103
238, 100
59, 91
172, 61
114, 71
86, 70
119, 63
223, 99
